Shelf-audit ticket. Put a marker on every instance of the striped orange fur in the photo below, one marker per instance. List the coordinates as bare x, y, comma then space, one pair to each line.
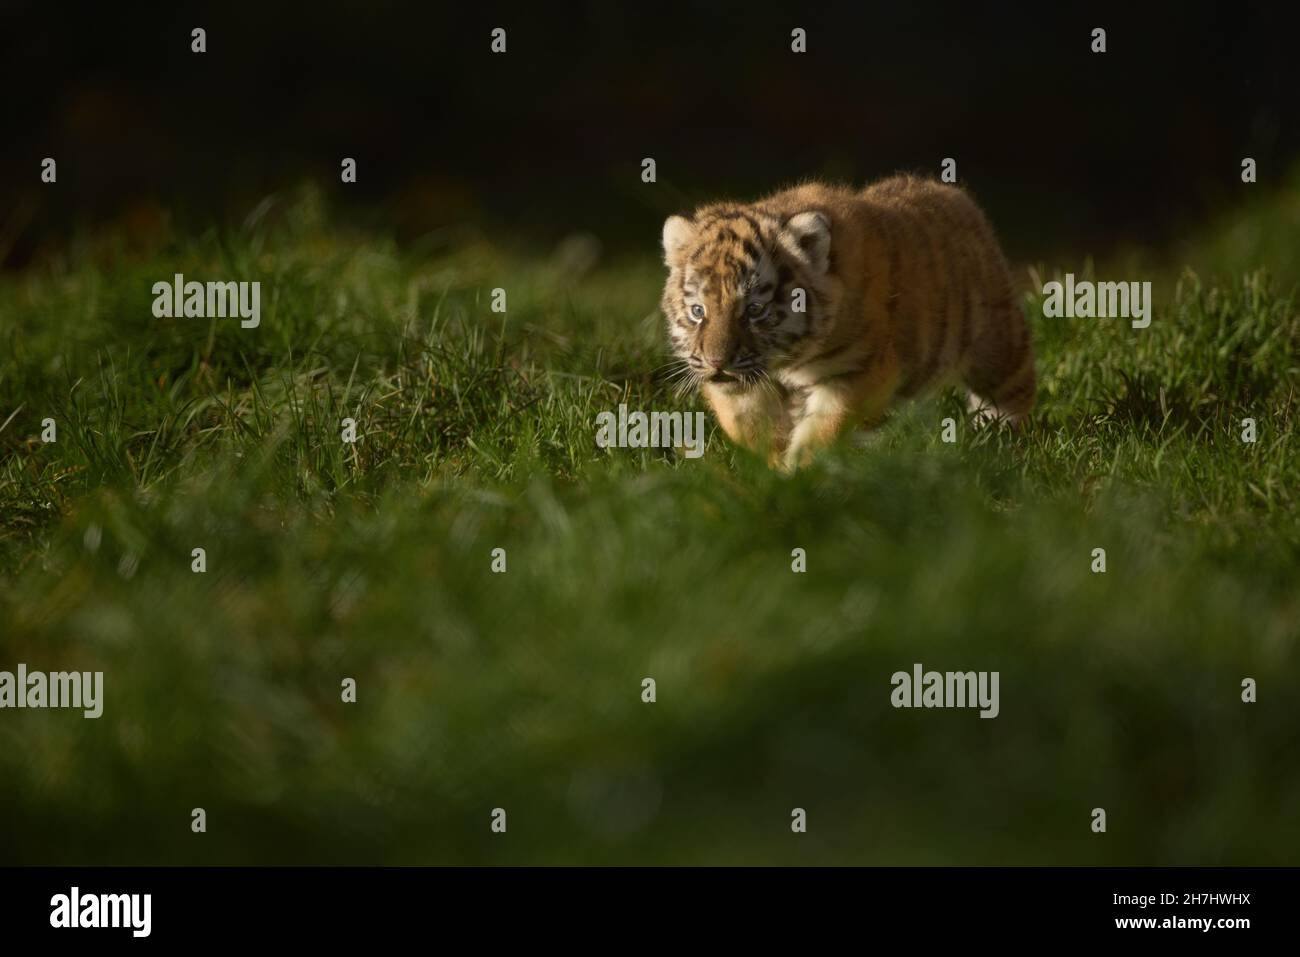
809, 312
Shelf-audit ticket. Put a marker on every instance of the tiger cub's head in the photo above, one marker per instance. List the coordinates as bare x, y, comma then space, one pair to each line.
746, 289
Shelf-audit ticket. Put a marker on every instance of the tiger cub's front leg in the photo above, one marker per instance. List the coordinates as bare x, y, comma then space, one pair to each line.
822, 412
757, 418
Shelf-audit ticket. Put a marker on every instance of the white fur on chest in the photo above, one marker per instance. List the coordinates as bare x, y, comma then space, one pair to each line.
818, 370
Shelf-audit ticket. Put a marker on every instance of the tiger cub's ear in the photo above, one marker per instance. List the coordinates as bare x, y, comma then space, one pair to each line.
678, 234
807, 237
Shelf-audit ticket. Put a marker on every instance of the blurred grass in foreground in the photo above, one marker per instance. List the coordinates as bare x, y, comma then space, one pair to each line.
522, 690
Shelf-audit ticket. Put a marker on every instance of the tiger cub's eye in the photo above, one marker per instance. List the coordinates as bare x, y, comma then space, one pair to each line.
755, 309
697, 312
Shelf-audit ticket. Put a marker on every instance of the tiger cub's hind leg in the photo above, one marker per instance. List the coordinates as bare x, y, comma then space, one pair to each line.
1000, 373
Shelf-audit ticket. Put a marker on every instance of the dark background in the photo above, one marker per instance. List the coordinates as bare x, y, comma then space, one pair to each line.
1068, 149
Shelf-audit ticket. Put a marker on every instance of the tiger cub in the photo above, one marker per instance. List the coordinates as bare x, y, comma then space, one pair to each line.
810, 311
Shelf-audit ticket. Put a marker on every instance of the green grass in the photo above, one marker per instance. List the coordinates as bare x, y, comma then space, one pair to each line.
522, 690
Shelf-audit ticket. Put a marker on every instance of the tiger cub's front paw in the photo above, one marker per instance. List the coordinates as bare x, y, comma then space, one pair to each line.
796, 456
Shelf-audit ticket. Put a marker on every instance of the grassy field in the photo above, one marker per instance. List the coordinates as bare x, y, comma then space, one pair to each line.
522, 690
